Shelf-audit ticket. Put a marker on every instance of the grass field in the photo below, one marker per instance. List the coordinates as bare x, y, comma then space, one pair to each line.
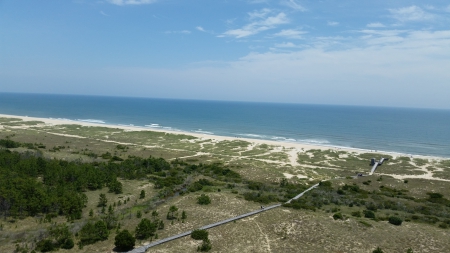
279, 230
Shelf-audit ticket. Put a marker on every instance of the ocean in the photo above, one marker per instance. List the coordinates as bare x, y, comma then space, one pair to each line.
402, 130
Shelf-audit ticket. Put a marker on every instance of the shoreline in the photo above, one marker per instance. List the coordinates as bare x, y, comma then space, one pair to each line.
216, 138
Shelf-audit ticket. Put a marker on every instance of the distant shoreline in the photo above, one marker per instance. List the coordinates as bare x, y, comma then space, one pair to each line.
298, 146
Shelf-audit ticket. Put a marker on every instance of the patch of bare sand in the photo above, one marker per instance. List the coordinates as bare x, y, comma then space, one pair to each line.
289, 176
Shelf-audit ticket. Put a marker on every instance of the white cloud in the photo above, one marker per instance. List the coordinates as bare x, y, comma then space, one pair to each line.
294, 5
131, 2
412, 72
286, 45
290, 33
260, 22
200, 29
411, 13
259, 13
375, 25
333, 23
104, 14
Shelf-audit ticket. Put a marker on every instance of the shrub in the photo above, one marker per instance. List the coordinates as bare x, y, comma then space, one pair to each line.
443, 225
395, 220
199, 234
369, 214
356, 214
93, 232
377, 250
124, 240
195, 187
145, 229
325, 184
338, 216
203, 200
68, 244
45, 245
206, 246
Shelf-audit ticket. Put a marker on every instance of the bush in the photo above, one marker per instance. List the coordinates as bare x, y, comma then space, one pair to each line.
124, 240
377, 250
443, 225
45, 245
369, 214
206, 246
92, 233
338, 216
356, 214
203, 200
195, 187
325, 184
145, 229
68, 244
199, 234
395, 220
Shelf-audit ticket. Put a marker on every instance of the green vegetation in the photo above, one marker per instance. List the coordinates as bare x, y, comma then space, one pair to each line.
199, 234
395, 220
146, 229
237, 176
92, 233
124, 240
203, 200
378, 250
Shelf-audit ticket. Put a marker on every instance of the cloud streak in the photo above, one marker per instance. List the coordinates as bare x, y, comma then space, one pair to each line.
293, 5
290, 33
411, 13
260, 21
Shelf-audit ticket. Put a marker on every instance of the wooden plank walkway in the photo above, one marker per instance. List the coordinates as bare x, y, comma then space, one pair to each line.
144, 248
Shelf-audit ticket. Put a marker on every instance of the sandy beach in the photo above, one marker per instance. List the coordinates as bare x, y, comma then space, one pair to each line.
295, 146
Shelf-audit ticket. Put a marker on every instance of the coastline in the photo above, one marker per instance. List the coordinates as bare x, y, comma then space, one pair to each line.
216, 138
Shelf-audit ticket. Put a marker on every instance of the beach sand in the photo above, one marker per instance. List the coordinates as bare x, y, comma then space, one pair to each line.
294, 146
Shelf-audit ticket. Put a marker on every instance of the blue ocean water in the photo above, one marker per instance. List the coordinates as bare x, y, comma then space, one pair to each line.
409, 131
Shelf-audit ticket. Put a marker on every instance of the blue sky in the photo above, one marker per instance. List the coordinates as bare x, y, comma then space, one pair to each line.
353, 52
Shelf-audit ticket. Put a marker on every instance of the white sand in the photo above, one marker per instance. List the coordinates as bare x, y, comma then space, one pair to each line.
296, 147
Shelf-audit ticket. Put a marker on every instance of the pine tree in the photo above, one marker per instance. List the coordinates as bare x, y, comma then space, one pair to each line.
102, 200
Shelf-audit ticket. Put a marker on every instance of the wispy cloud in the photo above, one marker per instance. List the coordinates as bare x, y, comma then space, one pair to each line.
375, 25
294, 5
104, 14
260, 21
131, 2
333, 23
290, 33
259, 13
285, 45
411, 13
200, 29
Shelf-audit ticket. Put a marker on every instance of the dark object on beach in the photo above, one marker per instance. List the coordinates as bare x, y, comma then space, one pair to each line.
372, 161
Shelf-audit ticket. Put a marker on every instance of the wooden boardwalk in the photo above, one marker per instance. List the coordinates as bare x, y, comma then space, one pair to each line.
144, 248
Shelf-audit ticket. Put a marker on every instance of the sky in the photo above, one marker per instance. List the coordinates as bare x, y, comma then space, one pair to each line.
345, 52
